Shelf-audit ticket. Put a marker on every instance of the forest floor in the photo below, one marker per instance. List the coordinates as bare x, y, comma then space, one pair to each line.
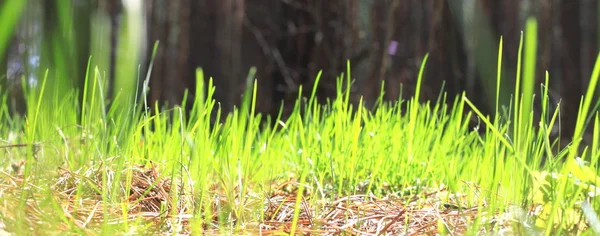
359, 214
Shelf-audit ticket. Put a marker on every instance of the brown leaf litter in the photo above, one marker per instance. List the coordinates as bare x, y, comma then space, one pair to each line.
150, 197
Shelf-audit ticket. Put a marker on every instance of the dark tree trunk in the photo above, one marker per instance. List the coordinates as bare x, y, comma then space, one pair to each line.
570, 57
182, 45
229, 25
589, 36
295, 38
380, 13
158, 31
447, 51
544, 16
170, 24
201, 42
333, 43
114, 9
258, 49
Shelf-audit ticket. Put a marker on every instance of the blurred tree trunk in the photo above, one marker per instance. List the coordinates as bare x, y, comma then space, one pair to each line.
114, 9
545, 39
589, 35
447, 50
158, 31
296, 37
202, 40
258, 49
379, 17
589, 44
403, 32
228, 41
570, 57
335, 43
169, 25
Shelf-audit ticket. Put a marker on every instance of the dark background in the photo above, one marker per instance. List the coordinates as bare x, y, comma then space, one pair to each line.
290, 41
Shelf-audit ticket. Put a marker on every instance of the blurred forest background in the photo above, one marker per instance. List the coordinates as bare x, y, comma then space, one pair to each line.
290, 41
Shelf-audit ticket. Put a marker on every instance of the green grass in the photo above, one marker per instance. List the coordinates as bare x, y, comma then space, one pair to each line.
92, 169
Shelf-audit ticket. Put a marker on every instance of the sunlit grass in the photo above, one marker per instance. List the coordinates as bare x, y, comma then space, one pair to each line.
86, 167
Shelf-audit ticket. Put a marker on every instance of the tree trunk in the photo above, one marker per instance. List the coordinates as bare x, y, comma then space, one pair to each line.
114, 8
158, 31
229, 25
570, 57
